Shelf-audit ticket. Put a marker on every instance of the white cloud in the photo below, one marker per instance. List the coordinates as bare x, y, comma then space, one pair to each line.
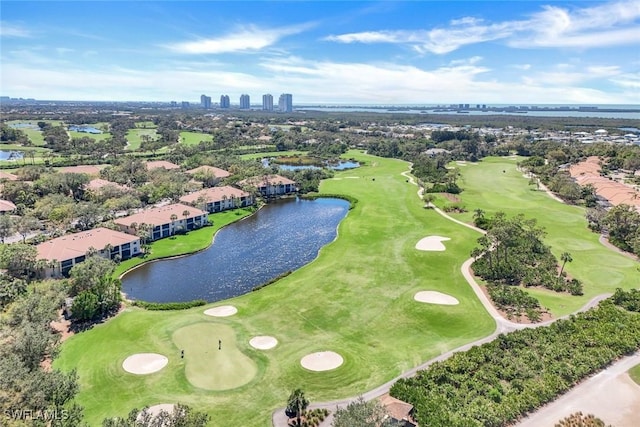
13, 30
523, 67
628, 81
604, 25
246, 39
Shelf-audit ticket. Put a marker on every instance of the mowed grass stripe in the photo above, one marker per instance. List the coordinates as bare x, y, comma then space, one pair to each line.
495, 184
355, 299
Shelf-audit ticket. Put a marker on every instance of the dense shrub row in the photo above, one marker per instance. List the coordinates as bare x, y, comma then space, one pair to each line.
500, 381
352, 200
169, 305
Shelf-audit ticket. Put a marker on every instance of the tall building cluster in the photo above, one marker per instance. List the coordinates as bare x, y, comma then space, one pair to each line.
285, 102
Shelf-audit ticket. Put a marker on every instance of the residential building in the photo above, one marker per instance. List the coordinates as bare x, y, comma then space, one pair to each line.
62, 253
206, 169
245, 103
6, 176
6, 207
224, 101
399, 413
216, 199
86, 169
205, 102
96, 185
267, 102
155, 164
164, 221
270, 185
285, 103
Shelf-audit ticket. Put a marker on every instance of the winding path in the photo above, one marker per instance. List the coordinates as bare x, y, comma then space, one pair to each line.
279, 418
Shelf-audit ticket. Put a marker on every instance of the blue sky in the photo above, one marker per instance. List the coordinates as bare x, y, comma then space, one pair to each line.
331, 52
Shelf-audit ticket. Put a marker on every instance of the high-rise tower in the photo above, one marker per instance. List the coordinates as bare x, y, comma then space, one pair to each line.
245, 104
285, 103
224, 101
267, 102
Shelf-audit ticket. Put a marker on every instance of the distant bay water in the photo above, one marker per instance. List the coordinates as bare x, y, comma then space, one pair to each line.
632, 111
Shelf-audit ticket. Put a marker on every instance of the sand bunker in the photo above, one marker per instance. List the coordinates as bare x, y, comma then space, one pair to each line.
263, 342
433, 297
432, 243
221, 311
321, 361
155, 410
462, 163
144, 363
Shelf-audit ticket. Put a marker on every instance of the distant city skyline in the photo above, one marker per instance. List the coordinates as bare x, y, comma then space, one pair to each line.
385, 53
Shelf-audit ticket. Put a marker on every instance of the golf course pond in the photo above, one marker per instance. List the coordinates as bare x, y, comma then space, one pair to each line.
282, 236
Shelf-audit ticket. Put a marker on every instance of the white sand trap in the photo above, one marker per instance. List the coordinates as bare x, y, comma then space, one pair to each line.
351, 177
155, 410
221, 311
432, 243
433, 297
144, 363
321, 361
263, 342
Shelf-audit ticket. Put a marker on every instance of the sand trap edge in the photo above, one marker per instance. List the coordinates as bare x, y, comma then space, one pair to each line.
432, 244
263, 342
434, 297
221, 311
144, 363
322, 361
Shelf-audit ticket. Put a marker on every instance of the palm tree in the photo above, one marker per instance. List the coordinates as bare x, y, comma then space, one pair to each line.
565, 258
174, 217
297, 404
185, 214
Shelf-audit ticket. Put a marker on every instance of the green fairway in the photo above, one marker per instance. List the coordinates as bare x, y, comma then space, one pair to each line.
134, 137
208, 365
355, 298
634, 373
96, 136
146, 125
194, 138
494, 185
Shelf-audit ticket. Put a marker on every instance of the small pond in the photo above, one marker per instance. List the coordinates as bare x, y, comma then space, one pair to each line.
280, 237
11, 155
341, 165
84, 129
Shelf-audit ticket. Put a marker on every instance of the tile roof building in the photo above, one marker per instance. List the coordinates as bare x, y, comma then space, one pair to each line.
270, 185
66, 251
155, 164
206, 169
6, 206
216, 199
164, 221
87, 169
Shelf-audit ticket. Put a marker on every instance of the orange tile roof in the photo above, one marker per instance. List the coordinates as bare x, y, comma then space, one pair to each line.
159, 216
259, 181
155, 164
217, 172
8, 176
214, 194
396, 408
96, 184
78, 244
7, 206
88, 169
617, 193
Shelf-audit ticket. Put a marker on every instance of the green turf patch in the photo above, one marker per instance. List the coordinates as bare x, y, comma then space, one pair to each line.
211, 357
495, 184
270, 154
194, 138
134, 137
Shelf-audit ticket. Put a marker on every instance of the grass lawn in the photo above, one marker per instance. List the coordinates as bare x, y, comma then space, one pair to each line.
146, 125
634, 373
194, 241
355, 298
194, 138
271, 154
212, 358
134, 137
494, 185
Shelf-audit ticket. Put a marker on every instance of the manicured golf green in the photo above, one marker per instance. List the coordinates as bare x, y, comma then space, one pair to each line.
212, 359
194, 138
355, 299
96, 136
634, 373
134, 137
494, 184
